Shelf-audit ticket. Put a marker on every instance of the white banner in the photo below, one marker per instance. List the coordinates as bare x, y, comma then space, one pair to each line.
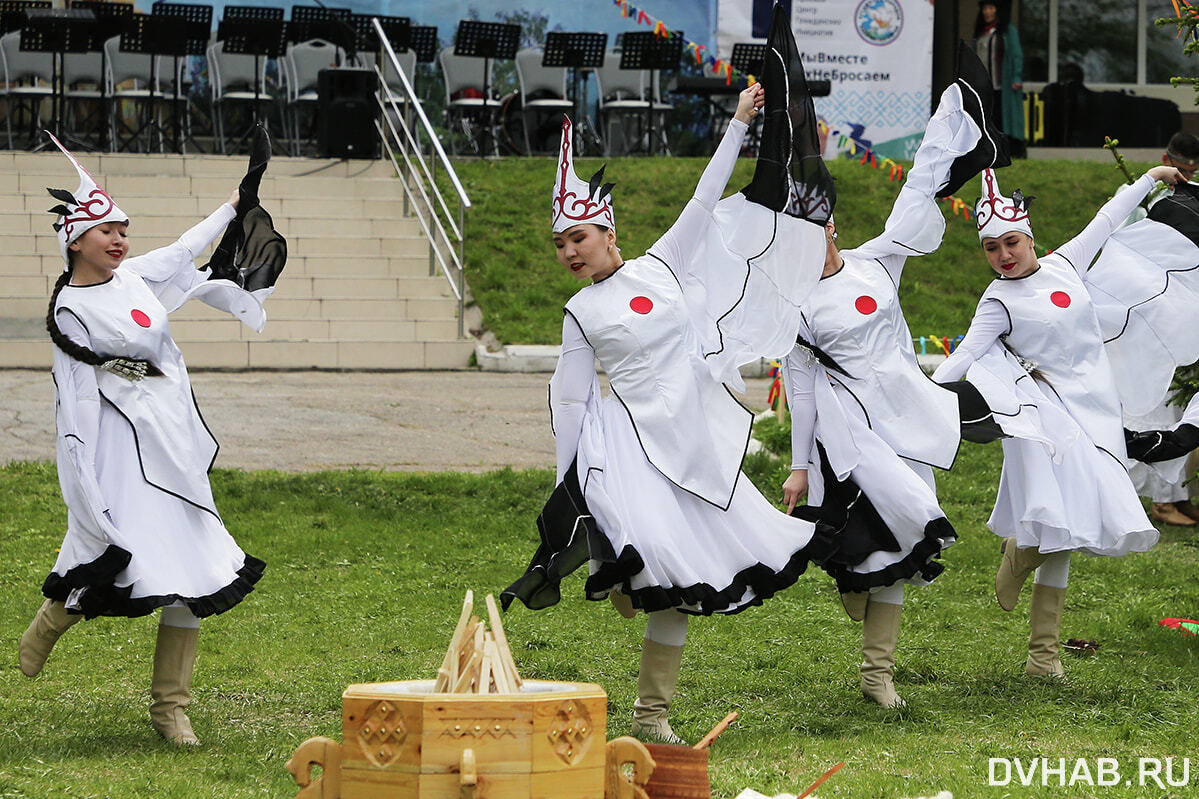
877, 53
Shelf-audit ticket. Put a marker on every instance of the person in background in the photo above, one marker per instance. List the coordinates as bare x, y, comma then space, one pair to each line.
997, 43
1170, 502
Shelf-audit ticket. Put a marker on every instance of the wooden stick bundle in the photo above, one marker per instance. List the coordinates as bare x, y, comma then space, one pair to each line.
478, 660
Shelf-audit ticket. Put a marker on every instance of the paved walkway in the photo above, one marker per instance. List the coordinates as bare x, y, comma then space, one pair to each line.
300, 421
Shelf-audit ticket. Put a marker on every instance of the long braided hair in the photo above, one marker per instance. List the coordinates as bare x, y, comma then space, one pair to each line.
78, 351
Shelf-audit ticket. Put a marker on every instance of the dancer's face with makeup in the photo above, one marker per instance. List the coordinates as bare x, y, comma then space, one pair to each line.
1011, 254
588, 251
97, 253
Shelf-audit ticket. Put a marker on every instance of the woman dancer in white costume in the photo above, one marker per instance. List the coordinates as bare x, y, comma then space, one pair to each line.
1035, 345
133, 452
867, 424
650, 491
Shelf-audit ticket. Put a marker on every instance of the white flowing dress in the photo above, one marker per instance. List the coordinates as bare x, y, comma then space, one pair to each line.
1064, 484
133, 457
650, 489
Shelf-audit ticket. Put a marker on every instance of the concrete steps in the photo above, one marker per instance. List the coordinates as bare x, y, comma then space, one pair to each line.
356, 293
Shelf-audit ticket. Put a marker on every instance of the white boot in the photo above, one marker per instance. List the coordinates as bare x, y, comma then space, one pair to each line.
48, 625
170, 688
656, 683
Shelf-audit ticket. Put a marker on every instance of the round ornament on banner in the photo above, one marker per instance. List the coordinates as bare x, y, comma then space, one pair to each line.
878, 22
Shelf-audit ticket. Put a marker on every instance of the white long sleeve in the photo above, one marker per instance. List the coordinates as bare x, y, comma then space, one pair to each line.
800, 371
170, 271
989, 323
677, 245
1191, 414
1081, 250
570, 389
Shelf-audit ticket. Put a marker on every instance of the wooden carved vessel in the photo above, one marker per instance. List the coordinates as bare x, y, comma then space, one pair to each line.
401, 740
478, 731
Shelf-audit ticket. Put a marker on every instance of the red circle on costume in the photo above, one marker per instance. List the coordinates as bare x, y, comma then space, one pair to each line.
642, 305
140, 317
866, 305
1060, 298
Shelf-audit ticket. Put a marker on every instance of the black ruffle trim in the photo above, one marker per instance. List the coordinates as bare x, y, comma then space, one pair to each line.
860, 531
104, 598
570, 537
920, 561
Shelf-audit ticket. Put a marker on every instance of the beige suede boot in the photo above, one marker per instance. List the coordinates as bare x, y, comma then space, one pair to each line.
855, 604
170, 688
1045, 626
656, 683
622, 603
880, 634
1017, 564
48, 625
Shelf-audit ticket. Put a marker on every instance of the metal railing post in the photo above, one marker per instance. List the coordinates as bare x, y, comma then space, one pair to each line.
401, 141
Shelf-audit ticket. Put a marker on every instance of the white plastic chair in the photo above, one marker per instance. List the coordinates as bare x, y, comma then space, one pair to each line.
38, 68
81, 68
301, 67
127, 80
542, 89
621, 99
462, 74
232, 79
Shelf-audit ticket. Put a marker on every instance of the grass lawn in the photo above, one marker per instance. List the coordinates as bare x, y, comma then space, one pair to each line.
366, 575
521, 287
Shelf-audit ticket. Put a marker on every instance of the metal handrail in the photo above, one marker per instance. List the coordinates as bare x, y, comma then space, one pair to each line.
417, 178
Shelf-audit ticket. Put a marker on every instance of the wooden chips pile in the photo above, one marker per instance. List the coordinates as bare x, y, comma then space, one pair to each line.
478, 660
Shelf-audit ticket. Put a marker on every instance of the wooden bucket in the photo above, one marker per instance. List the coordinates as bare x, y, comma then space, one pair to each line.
680, 772
402, 741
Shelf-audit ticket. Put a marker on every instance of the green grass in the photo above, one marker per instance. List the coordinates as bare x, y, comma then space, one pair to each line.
521, 287
366, 574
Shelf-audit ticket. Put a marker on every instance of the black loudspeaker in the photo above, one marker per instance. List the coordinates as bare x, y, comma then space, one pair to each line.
348, 111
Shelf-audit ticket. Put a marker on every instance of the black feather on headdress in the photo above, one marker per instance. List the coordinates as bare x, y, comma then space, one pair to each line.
60, 210
604, 191
57, 226
64, 195
1020, 201
593, 185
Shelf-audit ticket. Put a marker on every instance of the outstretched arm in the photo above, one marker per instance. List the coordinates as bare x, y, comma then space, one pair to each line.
171, 269
677, 245
989, 323
1080, 250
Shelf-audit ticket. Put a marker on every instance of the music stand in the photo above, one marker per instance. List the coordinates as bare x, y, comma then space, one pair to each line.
748, 58
112, 19
423, 39
57, 31
578, 52
321, 22
489, 41
197, 27
646, 50
256, 31
12, 13
152, 35
398, 31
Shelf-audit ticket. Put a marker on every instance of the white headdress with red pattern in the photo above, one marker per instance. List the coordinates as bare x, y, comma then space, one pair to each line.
88, 207
577, 202
996, 214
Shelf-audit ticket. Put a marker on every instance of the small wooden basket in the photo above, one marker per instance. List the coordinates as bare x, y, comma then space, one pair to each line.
681, 772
